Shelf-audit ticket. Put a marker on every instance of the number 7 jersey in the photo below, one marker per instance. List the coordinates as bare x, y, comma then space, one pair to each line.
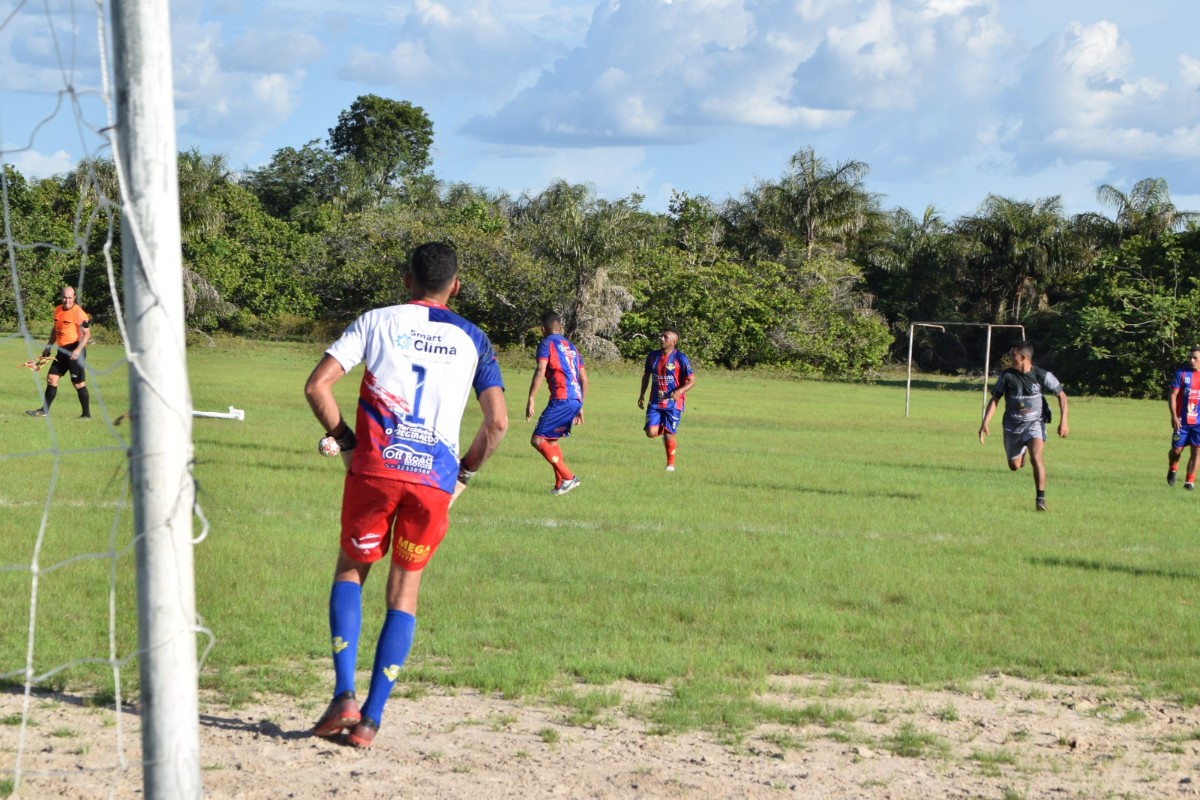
421, 361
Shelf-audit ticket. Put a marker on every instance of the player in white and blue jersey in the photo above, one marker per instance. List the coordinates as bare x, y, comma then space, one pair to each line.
421, 363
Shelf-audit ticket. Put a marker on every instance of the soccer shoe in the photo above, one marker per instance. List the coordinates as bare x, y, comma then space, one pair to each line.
364, 733
567, 486
1189, 486
670, 468
36, 412
342, 713
1040, 505
1170, 478
85, 416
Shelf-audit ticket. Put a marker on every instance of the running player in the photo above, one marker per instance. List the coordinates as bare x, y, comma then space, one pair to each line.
1025, 414
561, 366
421, 362
672, 379
1183, 398
71, 334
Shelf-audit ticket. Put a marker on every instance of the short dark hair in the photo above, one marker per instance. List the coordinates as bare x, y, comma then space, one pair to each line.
669, 329
1025, 347
433, 266
551, 319
1194, 349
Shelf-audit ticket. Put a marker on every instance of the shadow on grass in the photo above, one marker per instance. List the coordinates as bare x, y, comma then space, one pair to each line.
947, 384
856, 492
1124, 569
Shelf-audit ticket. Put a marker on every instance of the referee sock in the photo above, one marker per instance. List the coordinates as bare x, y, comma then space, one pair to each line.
85, 401
345, 623
51, 393
395, 640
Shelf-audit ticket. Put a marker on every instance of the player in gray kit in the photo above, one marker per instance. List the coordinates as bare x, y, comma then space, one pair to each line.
1026, 412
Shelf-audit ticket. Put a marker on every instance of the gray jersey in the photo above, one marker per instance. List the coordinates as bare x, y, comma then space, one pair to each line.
1024, 401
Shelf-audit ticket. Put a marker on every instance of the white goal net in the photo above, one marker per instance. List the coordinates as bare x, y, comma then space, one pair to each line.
95, 513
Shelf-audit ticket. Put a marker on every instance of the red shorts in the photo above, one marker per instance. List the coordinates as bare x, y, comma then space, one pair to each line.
380, 514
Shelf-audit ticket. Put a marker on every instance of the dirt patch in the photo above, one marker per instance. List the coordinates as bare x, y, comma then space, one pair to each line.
998, 737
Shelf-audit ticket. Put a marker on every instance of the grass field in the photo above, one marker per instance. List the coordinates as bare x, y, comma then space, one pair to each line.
810, 528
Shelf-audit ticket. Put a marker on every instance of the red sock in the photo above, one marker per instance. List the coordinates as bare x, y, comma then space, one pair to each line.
1191, 478
669, 446
553, 454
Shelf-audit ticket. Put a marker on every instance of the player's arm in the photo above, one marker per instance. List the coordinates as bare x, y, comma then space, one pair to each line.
539, 375
491, 431
583, 384
318, 390
987, 418
680, 391
85, 336
1063, 428
1173, 404
642, 394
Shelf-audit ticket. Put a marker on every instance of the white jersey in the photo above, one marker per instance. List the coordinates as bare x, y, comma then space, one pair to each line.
421, 362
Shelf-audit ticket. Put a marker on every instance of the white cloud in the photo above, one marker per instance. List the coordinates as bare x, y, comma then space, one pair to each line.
466, 47
34, 165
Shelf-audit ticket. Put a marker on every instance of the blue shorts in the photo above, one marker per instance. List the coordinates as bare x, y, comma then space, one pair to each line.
1186, 435
557, 418
666, 418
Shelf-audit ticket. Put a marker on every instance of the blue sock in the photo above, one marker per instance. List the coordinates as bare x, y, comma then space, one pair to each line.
345, 622
394, 642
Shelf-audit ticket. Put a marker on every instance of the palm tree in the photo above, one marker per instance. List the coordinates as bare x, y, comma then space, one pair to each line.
815, 207
1147, 210
586, 242
1013, 246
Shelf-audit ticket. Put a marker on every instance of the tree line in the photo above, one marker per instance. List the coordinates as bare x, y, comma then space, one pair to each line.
807, 272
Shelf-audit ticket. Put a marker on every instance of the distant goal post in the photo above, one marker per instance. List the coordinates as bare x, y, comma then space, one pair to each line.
987, 355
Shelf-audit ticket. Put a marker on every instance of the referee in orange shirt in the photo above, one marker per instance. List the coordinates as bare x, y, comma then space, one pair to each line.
72, 331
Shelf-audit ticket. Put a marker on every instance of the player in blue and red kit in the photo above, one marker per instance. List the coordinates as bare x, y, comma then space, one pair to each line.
561, 366
1183, 399
669, 374
421, 362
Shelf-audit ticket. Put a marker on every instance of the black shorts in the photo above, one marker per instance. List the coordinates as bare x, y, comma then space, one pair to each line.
63, 363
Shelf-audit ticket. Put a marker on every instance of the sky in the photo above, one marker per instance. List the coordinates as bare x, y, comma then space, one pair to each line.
946, 101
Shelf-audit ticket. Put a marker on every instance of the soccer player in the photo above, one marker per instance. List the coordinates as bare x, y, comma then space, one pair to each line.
1183, 398
561, 366
71, 334
421, 362
1026, 413
673, 378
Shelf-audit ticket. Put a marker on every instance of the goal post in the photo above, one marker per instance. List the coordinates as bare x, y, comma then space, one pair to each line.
161, 451
941, 326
